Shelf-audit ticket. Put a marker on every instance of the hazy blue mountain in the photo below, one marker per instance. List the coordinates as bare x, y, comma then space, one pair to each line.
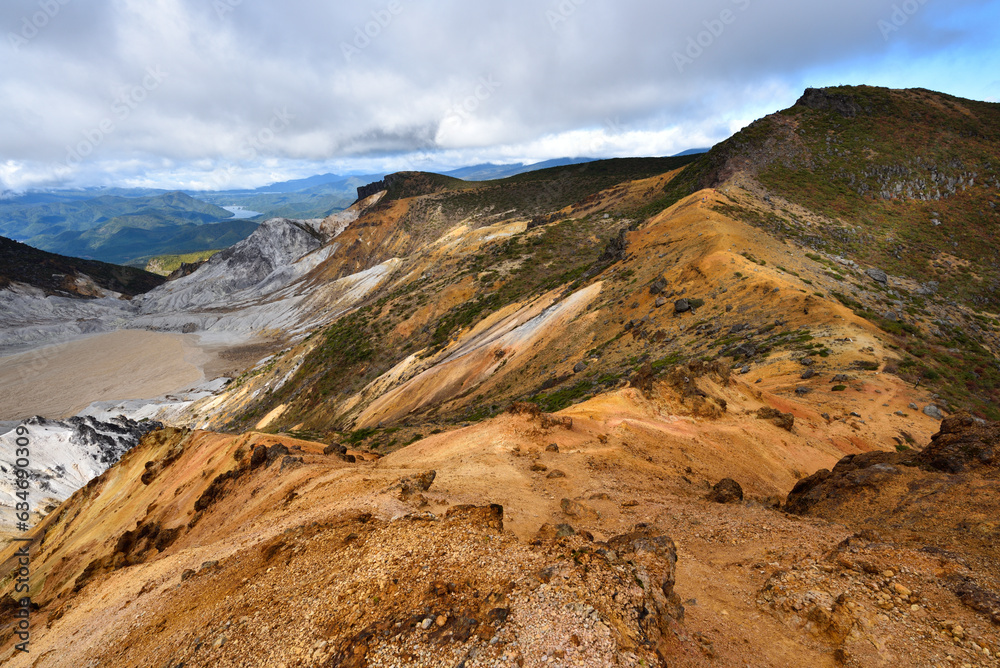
692, 151
490, 171
23, 219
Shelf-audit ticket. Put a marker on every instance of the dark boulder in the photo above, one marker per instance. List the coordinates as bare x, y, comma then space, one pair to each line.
726, 490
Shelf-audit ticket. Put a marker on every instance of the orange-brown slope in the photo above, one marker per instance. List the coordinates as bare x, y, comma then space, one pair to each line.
126, 546
182, 499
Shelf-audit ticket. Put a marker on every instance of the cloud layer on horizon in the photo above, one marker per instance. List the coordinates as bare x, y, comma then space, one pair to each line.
214, 93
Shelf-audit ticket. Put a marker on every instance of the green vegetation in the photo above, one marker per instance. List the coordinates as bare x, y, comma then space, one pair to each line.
166, 264
556, 401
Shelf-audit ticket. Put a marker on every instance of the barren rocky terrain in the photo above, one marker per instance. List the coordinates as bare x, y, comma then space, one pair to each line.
669, 412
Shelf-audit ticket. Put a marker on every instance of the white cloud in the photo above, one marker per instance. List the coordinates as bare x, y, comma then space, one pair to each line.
452, 80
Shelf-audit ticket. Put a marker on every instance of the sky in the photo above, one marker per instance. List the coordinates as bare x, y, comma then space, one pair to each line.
218, 94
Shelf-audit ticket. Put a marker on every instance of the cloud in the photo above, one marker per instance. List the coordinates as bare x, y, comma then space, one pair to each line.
366, 83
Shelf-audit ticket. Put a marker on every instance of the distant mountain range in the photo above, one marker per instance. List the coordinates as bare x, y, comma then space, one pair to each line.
120, 230
131, 225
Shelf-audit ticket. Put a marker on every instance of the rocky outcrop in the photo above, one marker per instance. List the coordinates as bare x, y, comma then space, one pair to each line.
784, 420
370, 189
963, 443
390, 180
823, 100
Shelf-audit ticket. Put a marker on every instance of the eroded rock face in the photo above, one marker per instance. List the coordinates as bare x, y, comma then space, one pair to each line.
67, 454
256, 266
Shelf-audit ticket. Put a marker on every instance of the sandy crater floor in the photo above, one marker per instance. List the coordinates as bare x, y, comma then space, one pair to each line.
60, 380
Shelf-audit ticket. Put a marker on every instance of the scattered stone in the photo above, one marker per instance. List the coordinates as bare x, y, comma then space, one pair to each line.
726, 490
556, 473
335, 449
802, 390
840, 378
878, 276
552, 447
577, 509
807, 361
807, 374
551, 532
660, 301
933, 411
579, 367
682, 306
901, 590
745, 369
539, 467
412, 486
